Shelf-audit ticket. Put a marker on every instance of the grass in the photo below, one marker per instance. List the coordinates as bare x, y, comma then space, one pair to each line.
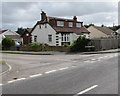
2, 62
24, 51
12, 51
51, 51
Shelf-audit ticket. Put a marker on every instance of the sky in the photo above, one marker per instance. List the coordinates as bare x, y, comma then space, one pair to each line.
26, 14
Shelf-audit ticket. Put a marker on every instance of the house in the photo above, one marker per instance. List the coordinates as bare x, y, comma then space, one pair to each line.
100, 32
57, 31
26, 36
118, 31
11, 34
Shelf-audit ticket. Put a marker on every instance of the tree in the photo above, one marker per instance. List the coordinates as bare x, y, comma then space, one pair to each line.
20, 31
79, 44
8, 42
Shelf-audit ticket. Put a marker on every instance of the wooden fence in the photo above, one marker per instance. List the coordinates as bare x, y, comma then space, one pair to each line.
105, 44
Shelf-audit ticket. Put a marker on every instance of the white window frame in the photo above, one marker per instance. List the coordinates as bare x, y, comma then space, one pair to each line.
65, 37
60, 23
70, 24
78, 25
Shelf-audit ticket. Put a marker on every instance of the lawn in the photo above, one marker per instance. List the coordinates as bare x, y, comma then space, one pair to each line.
11, 51
2, 62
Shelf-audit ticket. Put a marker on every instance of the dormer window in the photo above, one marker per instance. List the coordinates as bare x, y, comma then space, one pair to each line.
60, 23
78, 25
70, 24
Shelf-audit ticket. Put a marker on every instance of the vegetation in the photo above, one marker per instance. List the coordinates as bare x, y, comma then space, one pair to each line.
2, 62
12, 51
89, 25
35, 44
115, 28
8, 42
79, 44
20, 30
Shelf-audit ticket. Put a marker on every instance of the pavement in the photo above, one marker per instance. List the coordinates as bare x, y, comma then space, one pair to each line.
4, 68
55, 53
62, 74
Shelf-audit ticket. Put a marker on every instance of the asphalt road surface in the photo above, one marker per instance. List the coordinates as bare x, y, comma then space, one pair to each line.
62, 74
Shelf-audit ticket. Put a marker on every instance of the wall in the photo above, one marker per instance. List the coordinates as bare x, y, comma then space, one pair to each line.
94, 33
41, 48
42, 34
73, 37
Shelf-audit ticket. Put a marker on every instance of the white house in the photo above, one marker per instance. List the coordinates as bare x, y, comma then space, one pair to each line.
57, 31
11, 34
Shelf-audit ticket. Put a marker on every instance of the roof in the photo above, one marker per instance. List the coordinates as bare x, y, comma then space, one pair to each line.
13, 36
28, 30
48, 17
104, 29
78, 31
2, 31
62, 19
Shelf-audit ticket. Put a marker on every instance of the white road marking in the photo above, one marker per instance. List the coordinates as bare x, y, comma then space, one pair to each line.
1, 84
116, 55
63, 68
101, 57
11, 81
20, 79
93, 59
73, 66
16, 80
86, 90
35, 75
50, 71
105, 56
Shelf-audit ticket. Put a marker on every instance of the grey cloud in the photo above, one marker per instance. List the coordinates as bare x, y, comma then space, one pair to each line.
27, 13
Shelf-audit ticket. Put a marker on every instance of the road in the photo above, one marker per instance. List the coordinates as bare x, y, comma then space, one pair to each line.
62, 74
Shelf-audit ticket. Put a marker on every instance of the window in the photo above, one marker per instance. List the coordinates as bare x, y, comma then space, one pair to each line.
35, 38
65, 37
70, 24
50, 38
60, 23
78, 24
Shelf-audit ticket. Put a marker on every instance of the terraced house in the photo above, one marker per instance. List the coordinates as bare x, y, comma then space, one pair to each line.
57, 31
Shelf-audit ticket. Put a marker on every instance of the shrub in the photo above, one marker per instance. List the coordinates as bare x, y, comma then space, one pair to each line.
8, 42
35, 44
79, 44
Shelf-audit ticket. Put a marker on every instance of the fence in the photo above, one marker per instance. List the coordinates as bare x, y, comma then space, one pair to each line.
105, 44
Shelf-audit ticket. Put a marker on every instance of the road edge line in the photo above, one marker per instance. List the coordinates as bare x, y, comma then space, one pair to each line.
86, 90
7, 69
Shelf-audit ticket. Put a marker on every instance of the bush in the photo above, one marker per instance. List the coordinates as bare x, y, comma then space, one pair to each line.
35, 44
8, 42
79, 44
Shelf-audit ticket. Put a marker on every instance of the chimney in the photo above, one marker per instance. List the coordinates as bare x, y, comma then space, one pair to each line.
75, 18
43, 16
102, 25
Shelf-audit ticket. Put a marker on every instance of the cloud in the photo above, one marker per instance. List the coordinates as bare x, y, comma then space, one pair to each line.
15, 14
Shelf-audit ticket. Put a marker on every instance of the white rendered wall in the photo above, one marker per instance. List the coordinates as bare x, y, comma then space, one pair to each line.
42, 34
